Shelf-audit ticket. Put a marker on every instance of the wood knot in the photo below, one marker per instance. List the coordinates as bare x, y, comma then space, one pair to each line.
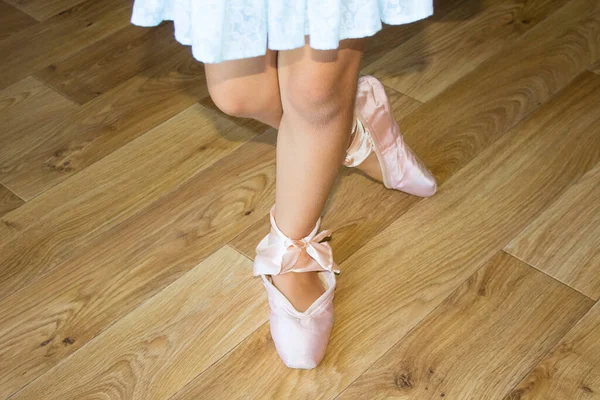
68, 341
403, 381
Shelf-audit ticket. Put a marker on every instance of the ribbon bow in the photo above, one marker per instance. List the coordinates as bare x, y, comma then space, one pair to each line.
278, 254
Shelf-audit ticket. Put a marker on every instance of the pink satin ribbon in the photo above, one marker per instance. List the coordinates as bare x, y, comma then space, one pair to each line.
278, 254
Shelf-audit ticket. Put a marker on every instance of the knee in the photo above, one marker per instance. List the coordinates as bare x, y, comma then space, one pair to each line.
233, 102
316, 101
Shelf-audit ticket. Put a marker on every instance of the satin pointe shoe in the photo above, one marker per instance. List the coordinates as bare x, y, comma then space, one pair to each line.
300, 337
375, 129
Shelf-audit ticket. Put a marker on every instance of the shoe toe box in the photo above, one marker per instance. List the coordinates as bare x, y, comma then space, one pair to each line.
301, 342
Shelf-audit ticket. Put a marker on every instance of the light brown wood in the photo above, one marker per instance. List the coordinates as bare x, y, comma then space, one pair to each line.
483, 105
596, 67
564, 241
8, 202
472, 345
392, 36
12, 20
43, 9
130, 263
132, 184
103, 125
391, 284
63, 221
58, 37
358, 209
27, 107
110, 61
440, 54
190, 324
571, 370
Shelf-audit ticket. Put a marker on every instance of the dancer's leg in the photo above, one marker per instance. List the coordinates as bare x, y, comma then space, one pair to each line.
318, 89
247, 88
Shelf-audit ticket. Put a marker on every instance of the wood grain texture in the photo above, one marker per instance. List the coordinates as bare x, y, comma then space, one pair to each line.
8, 201
130, 263
350, 212
440, 54
435, 58
64, 220
44, 9
596, 67
28, 109
480, 341
190, 324
110, 61
571, 370
101, 126
564, 241
480, 107
12, 20
392, 283
392, 36
58, 37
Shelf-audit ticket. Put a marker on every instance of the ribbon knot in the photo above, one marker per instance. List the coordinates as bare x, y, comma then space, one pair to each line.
279, 254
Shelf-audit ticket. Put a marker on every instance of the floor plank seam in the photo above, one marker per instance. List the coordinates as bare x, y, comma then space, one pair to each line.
405, 95
16, 6
109, 326
483, 264
217, 361
57, 90
101, 236
232, 247
537, 361
12, 191
548, 275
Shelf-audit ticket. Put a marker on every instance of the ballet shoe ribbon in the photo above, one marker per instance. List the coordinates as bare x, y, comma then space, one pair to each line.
278, 254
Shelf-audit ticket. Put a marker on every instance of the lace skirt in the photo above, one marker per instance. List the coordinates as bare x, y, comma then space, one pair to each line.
220, 30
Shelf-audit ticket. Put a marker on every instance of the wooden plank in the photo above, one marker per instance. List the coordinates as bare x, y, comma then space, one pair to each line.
596, 67
392, 36
564, 241
480, 341
44, 9
101, 126
158, 348
480, 107
440, 54
64, 220
12, 20
571, 370
350, 210
27, 107
127, 265
392, 283
8, 202
111, 61
59, 37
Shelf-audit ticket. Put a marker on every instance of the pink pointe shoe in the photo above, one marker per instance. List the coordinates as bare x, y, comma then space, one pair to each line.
300, 337
376, 130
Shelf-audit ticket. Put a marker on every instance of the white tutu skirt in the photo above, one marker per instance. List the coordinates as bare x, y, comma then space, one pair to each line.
220, 30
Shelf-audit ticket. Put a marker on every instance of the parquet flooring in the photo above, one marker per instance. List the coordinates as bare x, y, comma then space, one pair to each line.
130, 208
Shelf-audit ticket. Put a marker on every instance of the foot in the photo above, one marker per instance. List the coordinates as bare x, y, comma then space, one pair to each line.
300, 289
299, 277
371, 167
377, 147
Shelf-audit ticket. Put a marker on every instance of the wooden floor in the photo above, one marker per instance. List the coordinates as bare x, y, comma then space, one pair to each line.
130, 208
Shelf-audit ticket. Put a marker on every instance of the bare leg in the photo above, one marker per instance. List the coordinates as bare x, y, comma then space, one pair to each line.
247, 88
250, 88
318, 90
